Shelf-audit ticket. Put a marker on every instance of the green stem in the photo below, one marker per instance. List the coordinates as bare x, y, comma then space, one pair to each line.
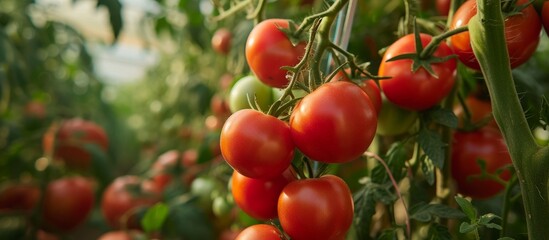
506, 205
530, 161
436, 40
411, 9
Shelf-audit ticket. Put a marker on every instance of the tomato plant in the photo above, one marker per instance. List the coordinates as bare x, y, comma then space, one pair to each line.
330, 128
257, 145
67, 203
69, 141
221, 40
416, 90
522, 33
316, 208
250, 89
485, 145
260, 231
258, 197
268, 49
124, 197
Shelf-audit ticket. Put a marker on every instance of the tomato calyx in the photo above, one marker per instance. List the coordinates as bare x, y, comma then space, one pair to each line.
495, 176
292, 33
509, 8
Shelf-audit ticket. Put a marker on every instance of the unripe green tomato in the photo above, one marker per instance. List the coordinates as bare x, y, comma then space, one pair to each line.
250, 87
221, 206
203, 187
394, 120
278, 92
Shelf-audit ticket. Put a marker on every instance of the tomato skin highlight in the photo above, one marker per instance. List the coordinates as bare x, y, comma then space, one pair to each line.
336, 123
259, 232
417, 90
256, 145
487, 144
257, 197
268, 49
522, 34
316, 208
67, 203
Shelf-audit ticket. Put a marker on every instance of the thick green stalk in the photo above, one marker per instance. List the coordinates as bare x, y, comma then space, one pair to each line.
531, 162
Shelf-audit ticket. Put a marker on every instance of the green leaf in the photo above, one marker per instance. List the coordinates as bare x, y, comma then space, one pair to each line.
187, 221
365, 205
389, 234
205, 150
433, 146
466, 227
439, 232
154, 217
396, 160
428, 169
443, 116
101, 166
426, 212
467, 208
115, 15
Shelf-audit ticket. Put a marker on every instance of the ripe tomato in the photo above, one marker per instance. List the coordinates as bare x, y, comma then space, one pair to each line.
250, 87
335, 123
268, 49
257, 145
221, 41
417, 90
316, 208
443, 7
260, 232
545, 16
67, 203
122, 235
35, 110
258, 197
394, 120
19, 196
480, 111
368, 86
468, 147
70, 141
229, 234
124, 197
522, 33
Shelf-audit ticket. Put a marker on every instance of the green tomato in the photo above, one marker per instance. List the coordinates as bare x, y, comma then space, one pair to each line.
394, 120
203, 188
221, 206
250, 87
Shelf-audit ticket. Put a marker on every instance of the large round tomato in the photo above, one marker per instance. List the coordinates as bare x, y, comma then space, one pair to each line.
368, 86
124, 197
268, 49
485, 144
443, 7
545, 16
522, 32
417, 90
71, 139
250, 88
67, 203
258, 197
257, 145
260, 232
394, 120
221, 41
19, 196
335, 123
316, 208
479, 111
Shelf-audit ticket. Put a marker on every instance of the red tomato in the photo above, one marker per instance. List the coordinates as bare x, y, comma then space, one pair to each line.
480, 111
417, 90
260, 232
368, 86
257, 145
124, 197
35, 110
121, 235
70, 141
229, 234
522, 33
335, 123
443, 7
43, 235
258, 197
19, 196
221, 41
545, 16
163, 169
67, 203
268, 49
316, 208
485, 144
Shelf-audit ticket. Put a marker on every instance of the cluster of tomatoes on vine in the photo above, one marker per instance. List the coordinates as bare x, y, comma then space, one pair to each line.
336, 122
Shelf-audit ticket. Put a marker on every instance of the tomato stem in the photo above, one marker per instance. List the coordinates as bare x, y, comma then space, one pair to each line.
411, 10
436, 40
530, 160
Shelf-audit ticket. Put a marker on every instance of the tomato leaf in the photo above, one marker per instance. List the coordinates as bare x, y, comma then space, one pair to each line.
443, 116
433, 146
365, 203
154, 217
396, 159
189, 222
426, 212
389, 234
428, 169
466, 227
100, 163
467, 208
437, 231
